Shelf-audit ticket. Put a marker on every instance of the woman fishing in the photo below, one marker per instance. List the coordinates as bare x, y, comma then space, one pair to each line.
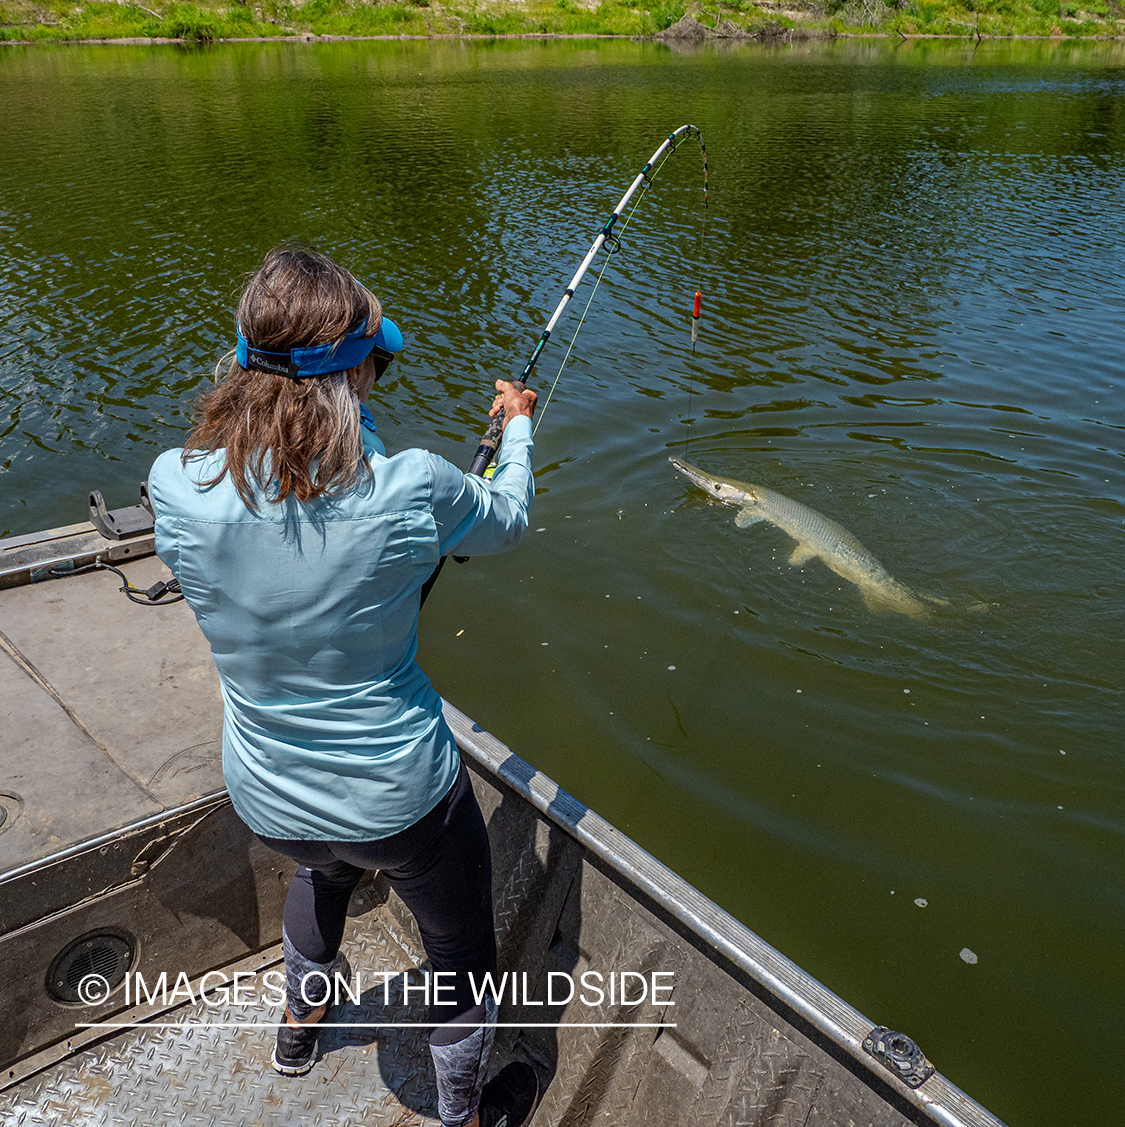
302, 549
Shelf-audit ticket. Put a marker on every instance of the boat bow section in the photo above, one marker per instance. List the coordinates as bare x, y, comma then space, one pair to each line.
637, 999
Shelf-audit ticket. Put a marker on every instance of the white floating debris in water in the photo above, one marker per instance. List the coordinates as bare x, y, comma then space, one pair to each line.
920, 902
798, 690
544, 643
540, 530
906, 690
968, 956
892, 892
1061, 752
673, 667
1059, 807
460, 632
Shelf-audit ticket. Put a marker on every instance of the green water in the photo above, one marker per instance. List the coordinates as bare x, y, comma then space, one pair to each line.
912, 276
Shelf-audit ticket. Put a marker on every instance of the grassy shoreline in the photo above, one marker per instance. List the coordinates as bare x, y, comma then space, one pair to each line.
205, 21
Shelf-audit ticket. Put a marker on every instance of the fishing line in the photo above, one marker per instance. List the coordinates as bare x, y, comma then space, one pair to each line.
569, 349
695, 310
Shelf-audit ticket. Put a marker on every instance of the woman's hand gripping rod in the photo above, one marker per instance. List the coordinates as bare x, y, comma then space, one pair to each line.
512, 399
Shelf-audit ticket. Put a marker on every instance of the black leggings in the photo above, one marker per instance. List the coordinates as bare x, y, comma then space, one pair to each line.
441, 867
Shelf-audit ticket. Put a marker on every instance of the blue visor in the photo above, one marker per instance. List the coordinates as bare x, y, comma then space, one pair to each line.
321, 359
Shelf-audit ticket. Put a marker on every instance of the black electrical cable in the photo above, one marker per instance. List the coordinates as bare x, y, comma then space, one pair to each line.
154, 596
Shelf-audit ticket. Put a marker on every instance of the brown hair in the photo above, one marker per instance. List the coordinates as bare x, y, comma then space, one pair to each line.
304, 434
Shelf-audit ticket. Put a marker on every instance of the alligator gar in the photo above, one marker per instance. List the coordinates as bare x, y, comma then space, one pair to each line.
816, 536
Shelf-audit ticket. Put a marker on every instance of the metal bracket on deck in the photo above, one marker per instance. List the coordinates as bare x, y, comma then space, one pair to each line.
899, 1054
121, 524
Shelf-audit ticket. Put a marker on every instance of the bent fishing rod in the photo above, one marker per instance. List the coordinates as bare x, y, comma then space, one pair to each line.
490, 442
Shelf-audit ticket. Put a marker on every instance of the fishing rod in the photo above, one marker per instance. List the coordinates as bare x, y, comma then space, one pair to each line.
490, 441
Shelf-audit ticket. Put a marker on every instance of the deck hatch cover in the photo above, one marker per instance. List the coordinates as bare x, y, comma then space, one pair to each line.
88, 969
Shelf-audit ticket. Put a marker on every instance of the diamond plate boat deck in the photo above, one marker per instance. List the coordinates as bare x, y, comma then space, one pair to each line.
120, 855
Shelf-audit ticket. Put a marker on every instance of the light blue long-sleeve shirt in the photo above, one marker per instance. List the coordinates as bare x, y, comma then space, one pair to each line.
331, 731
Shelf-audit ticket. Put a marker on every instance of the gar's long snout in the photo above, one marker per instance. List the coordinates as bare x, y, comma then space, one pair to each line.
697, 477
